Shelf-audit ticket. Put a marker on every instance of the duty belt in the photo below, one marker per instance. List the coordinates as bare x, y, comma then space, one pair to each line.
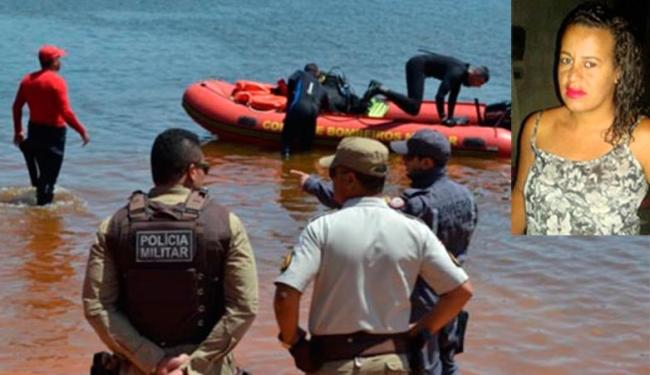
358, 344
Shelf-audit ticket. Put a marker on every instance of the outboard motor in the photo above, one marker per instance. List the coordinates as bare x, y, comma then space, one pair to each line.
498, 115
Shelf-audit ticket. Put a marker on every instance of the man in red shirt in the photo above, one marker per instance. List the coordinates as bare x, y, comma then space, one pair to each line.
46, 95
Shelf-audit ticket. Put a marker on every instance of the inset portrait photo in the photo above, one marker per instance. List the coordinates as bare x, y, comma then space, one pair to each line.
581, 95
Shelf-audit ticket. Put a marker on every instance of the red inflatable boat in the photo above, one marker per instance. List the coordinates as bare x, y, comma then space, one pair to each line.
249, 112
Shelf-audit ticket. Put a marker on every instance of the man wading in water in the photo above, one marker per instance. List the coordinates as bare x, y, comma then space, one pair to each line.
46, 95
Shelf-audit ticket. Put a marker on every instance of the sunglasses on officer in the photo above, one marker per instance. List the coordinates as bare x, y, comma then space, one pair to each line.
205, 167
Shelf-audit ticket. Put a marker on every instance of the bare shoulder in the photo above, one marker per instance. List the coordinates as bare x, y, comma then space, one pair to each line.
529, 124
545, 117
555, 113
642, 132
553, 116
525, 156
640, 144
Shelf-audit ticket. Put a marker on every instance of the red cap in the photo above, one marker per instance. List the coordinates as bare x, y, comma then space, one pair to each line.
49, 53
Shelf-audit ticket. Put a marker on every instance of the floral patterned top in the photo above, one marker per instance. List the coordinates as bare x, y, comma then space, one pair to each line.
594, 197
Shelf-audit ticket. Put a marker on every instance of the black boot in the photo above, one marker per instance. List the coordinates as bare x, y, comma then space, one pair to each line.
374, 88
44, 194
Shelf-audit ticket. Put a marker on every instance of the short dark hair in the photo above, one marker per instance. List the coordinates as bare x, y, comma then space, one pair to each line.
627, 58
172, 152
372, 184
484, 72
46, 63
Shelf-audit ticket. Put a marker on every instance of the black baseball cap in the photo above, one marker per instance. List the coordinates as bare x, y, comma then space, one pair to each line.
425, 142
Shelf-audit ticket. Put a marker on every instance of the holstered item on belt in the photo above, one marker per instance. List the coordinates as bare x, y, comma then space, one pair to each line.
463, 317
415, 354
105, 363
358, 344
304, 355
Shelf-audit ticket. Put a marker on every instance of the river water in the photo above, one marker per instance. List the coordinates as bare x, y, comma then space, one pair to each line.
542, 305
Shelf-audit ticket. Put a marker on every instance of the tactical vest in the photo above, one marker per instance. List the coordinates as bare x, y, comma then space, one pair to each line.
170, 263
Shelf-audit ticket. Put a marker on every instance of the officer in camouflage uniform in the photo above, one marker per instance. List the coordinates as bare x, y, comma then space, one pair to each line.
171, 284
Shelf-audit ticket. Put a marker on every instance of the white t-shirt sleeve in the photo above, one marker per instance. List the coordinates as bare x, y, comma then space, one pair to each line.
438, 269
305, 260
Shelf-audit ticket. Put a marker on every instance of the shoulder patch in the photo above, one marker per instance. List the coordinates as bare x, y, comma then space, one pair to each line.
160, 246
396, 203
286, 261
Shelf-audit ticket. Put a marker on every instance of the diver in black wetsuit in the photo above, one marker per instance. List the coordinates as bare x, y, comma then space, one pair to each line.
305, 97
451, 71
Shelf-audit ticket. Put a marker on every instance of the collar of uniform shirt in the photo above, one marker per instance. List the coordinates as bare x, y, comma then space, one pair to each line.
174, 190
365, 201
424, 179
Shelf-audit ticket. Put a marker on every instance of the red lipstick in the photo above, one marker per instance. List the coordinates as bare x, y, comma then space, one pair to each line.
574, 93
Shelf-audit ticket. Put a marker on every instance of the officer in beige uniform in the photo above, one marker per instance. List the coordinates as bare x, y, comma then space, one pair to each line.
364, 260
171, 284
447, 208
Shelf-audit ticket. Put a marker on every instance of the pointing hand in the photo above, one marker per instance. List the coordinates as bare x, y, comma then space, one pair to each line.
301, 175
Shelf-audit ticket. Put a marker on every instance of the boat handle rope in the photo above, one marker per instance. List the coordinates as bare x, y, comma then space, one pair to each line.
218, 92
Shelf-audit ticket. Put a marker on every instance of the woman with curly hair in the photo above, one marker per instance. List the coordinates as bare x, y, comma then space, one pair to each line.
584, 167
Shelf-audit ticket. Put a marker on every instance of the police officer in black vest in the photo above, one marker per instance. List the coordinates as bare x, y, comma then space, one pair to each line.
448, 208
171, 284
306, 96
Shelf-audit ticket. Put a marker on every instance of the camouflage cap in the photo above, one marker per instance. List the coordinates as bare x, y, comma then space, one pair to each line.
363, 155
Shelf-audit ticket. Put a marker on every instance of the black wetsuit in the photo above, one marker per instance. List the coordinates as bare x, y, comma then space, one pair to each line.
43, 150
306, 95
452, 72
